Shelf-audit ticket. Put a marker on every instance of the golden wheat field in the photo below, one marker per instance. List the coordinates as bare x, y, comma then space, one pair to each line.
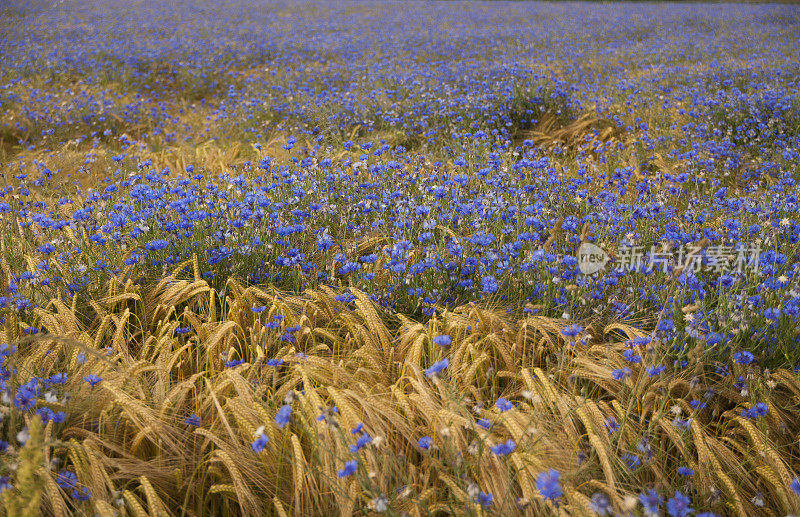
403, 258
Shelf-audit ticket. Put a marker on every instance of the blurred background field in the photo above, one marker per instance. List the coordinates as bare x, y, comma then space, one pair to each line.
322, 258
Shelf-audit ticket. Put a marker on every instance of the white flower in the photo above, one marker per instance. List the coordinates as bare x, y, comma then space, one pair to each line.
380, 504
23, 436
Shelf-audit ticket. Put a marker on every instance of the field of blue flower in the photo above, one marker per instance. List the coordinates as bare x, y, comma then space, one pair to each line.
325, 258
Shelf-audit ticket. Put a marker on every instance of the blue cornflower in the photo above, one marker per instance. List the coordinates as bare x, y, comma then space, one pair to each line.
46, 414
600, 504
93, 380
653, 371
504, 448
757, 411
260, 442
156, 245
485, 499
666, 325
425, 442
697, 405
795, 485
437, 367
362, 442
489, 284
443, 340
744, 357
67, 480
632, 461
682, 424
349, 469
679, 506
632, 357
25, 398
81, 493
620, 374
192, 419
571, 331
58, 378
547, 483
283, 416
651, 502
683, 470
504, 404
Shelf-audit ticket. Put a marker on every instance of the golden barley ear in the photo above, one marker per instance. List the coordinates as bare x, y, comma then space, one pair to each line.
25, 499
